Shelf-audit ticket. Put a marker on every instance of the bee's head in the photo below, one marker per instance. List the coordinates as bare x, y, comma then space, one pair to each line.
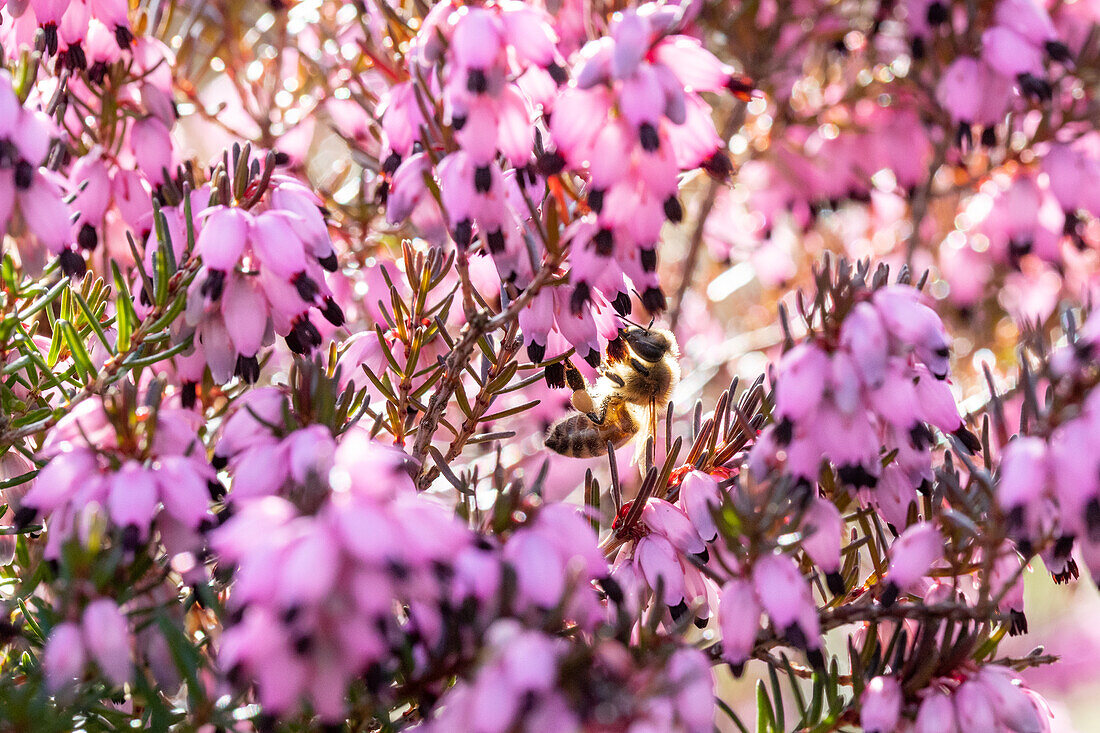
650, 344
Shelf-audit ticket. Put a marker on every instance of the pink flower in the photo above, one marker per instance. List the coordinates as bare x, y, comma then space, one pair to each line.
107, 639
911, 557
63, 657
785, 597
739, 614
935, 715
880, 706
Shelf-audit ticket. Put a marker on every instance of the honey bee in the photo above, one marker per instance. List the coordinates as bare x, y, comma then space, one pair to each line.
635, 381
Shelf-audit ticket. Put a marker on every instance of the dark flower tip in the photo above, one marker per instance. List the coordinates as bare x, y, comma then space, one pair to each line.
87, 237
248, 368
214, 285
72, 264
554, 374
536, 352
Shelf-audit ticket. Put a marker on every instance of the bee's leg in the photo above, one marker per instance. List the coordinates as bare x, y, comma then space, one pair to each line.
598, 413
639, 367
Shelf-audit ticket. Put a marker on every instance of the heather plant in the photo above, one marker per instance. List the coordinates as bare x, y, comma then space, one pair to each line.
291, 292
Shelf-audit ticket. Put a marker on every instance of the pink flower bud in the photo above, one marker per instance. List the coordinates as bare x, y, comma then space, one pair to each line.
974, 708
223, 237
912, 555
936, 715
107, 639
739, 620
699, 497
880, 706
801, 381
668, 520
1014, 708
63, 657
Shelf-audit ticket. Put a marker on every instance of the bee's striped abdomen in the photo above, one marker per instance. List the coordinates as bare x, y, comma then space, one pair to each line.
577, 437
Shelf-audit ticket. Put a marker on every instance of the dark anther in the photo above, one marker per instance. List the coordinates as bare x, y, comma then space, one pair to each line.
24, 175
1018, 622
1058, 51
87, 237
612, 588
557, 73
72, 264
920, 436
536, 352
329, 262
216, 489
647, 135
890, 594
989, 137
332, 312
74, 57
554, 375
463, 234
248, 368
305, 285
678, 611
674, 212
550, 163
131, 537
390, 164
458, 122
123, 37
97, 72
593, 358
595, 200
50, 31
214, 285
784, 431
718, 166
622, 304
856, 475
476, 81
189, 394
616, 349
496, 241
653, 300
937, 14
605, 243
835, 582
1035, 87
219, 461
483, 179
24, 516
581, 295
649, 259
281, 158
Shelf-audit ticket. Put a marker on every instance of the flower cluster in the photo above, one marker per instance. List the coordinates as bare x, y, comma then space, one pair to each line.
632, 120
988, 698
1015, 51
264, 258
530, 681
101, 635
316, 594
878, 379
27, 137
83, 34
500, 64
142, 467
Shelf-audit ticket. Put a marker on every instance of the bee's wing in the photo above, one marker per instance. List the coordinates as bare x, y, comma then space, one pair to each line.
646, 418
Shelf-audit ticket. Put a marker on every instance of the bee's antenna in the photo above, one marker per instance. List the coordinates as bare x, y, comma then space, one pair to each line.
651, 320
632, 323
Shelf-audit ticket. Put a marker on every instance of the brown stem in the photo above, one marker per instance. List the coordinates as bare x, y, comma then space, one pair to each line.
481, 324
733, 123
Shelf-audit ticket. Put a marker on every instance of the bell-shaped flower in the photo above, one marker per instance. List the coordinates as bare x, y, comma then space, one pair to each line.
880, 705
